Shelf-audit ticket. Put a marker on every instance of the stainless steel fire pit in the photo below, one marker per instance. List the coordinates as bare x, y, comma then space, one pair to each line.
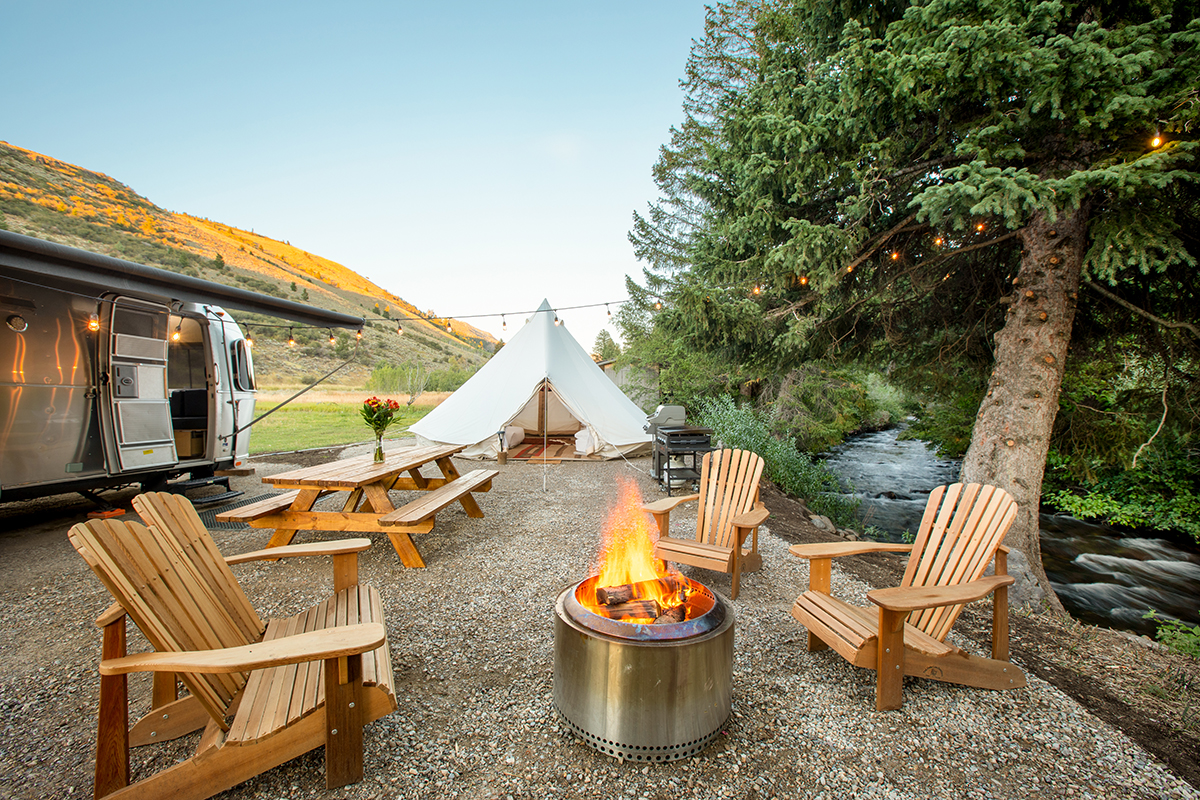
639, 691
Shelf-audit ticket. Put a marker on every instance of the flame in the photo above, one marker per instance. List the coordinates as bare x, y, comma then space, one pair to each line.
627, 547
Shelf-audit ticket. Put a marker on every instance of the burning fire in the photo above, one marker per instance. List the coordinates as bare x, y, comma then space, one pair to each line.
642, 588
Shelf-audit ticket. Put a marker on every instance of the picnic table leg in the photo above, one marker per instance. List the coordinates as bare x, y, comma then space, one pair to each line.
304, 502
376, 497
467, 500
351, 503
420, 480
407, 551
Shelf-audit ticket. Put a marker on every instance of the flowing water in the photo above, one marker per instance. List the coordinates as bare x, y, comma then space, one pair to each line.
1103, 576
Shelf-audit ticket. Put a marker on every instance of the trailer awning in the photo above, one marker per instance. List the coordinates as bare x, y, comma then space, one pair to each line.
43, 262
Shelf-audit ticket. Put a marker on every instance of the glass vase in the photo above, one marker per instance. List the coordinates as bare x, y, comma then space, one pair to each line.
378, 448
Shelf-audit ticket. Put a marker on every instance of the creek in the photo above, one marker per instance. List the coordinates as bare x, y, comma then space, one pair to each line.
1102, 575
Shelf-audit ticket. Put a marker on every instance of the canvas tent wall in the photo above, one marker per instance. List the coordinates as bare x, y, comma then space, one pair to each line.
543, 382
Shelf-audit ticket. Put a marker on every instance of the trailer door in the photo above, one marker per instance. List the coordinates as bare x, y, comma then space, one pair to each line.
137, 385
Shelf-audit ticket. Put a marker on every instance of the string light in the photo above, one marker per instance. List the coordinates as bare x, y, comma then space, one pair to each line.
358, 334
249, 338
557, 321
980, 226
757, 289
176, 336
291, 338
804, 280
503, 323
93, 323
938, 241
609, 310
895, 255
399, 330
658, 305
448, 329
1157, 141
332, 338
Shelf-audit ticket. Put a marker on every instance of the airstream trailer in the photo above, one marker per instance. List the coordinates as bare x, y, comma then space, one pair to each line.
115, 373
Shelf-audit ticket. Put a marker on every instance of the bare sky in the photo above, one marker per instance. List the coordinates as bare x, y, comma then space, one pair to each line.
471, 157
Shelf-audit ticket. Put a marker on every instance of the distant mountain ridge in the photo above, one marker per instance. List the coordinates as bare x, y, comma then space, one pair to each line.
52, 199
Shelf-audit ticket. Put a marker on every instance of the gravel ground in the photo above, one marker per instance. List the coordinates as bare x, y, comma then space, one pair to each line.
472, 639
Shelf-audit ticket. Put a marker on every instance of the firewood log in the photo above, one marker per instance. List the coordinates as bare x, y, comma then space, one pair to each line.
612, 595
672, 614
632, 609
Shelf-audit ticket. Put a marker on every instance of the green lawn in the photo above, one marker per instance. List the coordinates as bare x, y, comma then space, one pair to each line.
299, 426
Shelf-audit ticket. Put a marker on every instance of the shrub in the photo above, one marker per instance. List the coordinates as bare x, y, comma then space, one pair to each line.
1176, 634
796, 473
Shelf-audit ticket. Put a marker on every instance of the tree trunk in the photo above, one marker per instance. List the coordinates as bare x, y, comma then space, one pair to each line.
1012, 430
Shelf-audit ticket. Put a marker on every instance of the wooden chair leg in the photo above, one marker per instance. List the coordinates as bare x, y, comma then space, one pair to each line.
343, 721
819, 580
112, 734
889, 662
737, 572
1000, 612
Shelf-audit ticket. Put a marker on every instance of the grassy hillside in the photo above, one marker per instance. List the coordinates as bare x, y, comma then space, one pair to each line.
51, 199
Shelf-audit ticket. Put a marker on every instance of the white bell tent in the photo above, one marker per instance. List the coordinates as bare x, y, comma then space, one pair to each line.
540, 384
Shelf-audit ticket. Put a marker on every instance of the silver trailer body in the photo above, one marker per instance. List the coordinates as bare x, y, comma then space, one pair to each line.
114, 373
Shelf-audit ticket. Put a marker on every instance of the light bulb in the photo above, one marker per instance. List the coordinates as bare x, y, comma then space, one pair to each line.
1156, 141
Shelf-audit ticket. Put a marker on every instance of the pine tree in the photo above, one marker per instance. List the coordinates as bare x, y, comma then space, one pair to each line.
935, 173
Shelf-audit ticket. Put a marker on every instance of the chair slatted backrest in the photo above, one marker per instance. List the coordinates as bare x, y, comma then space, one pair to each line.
167, 598
962, 527
174, 516
728, 487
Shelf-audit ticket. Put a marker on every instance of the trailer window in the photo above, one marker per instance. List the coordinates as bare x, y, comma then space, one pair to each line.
243, 366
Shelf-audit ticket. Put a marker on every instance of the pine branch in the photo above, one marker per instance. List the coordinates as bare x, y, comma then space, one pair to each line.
1187, 326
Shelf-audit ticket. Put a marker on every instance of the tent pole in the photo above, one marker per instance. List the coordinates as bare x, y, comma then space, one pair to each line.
545, 426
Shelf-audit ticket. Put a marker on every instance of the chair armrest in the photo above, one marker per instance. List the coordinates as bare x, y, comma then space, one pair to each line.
838, 549
908, 598
110, 615
668, 503
339, 548
752, 518
312, 646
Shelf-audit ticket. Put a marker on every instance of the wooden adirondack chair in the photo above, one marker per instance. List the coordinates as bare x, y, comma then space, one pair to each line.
960, 534
729, 511
263, 692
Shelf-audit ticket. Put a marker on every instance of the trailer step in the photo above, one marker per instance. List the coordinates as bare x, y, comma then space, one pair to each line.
179, 487
215, 498
183, 487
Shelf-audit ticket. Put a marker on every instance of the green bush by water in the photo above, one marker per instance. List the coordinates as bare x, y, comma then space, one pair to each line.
796, 473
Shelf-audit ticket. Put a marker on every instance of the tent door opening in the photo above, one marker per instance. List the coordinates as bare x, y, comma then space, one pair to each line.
545, 414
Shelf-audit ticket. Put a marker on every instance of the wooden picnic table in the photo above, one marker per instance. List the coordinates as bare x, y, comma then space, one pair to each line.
367, 508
